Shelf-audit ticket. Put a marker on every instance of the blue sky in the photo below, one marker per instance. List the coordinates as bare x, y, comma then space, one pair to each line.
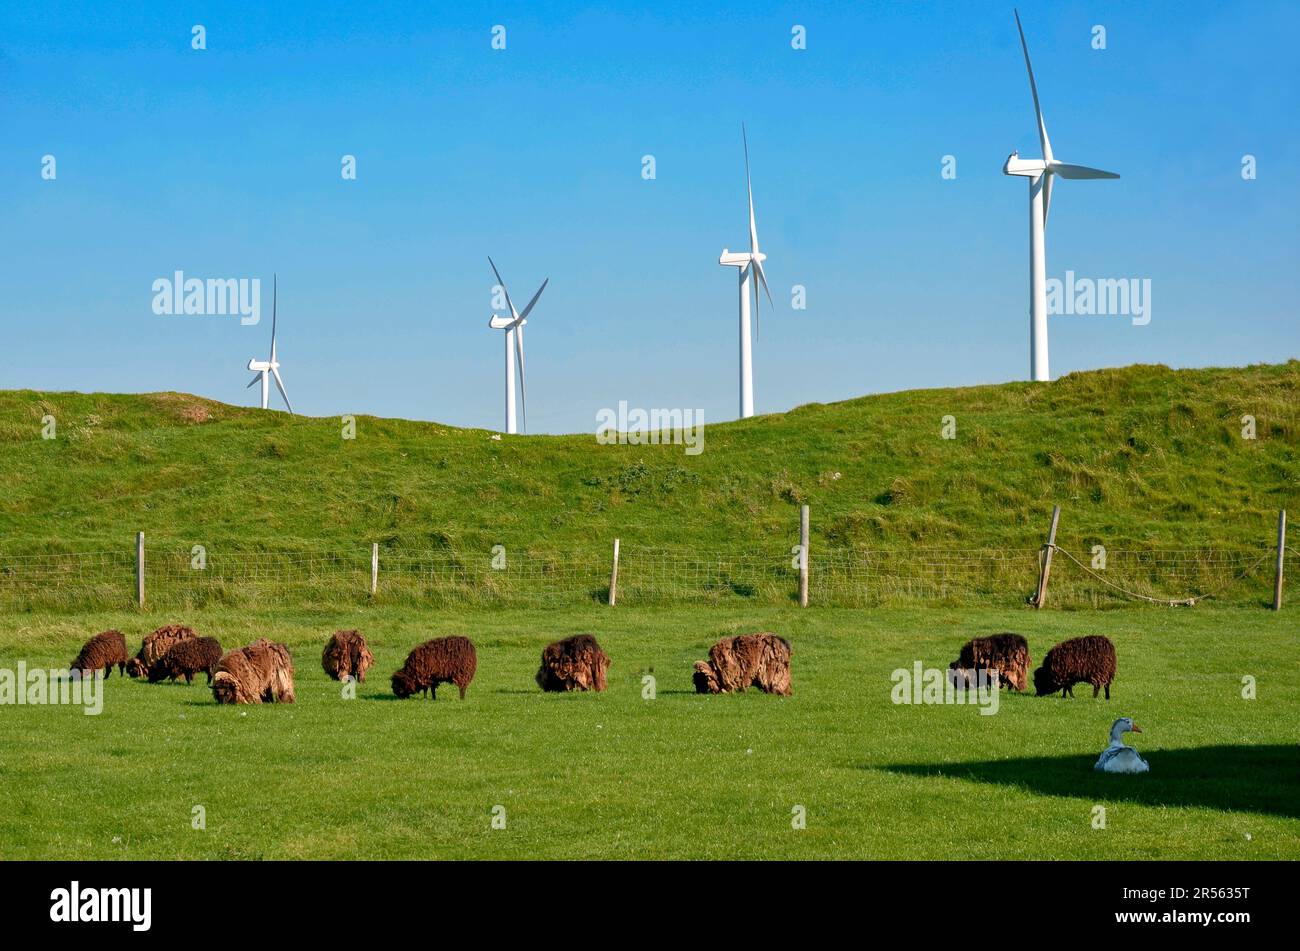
226, 163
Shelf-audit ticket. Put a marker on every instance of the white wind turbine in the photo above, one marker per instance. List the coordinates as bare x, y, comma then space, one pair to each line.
514, 328
1040, 173
750, 264
267, 368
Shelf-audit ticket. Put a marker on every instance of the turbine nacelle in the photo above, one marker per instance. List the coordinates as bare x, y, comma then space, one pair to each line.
1030, 168
740, 258
498, 322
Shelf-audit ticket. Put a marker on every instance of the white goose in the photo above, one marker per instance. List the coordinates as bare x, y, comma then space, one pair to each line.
1118, 758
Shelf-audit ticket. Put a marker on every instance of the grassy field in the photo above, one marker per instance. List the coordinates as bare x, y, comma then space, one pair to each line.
618, 776
1141, 455
1146, 461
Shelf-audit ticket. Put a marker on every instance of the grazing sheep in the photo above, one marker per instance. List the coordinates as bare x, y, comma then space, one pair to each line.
575, 663
262, 672
346, 655
186, 658
748, 660
101, 652
439, 661
155, 646
1081, 659
1005, 654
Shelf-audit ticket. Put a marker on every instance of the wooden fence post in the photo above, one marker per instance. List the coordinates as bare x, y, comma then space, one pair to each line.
1046, 569
803, 559
374, 568
1281, 559
139, 569
613, 578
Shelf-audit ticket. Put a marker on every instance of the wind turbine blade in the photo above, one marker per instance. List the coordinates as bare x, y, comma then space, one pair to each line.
749, 188
753, 279
279, 385
762, 276
529, 308
1065, 170
1033, 87
514, 313
1047, 195
253, 382
275, 296
523, 388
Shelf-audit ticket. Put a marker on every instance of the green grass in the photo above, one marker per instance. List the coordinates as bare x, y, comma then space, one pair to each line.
1142, 454
617, 776
1141, 458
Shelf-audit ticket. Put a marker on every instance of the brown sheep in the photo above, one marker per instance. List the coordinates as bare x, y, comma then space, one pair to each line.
262, 672
186, 658
748, 660
439, 661
346, 655
1005, 654
101, 652
1081, 659
575, 663
155, 646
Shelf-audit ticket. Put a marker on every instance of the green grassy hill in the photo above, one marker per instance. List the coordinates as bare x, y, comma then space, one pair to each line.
1139, 457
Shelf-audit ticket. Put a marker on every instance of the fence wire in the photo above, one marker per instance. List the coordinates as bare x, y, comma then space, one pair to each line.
178, 576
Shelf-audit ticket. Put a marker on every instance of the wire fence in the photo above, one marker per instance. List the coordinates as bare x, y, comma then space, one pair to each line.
178, 576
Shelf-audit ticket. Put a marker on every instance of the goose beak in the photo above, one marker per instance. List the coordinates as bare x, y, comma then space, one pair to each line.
1136, 729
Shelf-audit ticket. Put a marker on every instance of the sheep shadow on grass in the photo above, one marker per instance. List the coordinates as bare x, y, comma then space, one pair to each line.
1238, 778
